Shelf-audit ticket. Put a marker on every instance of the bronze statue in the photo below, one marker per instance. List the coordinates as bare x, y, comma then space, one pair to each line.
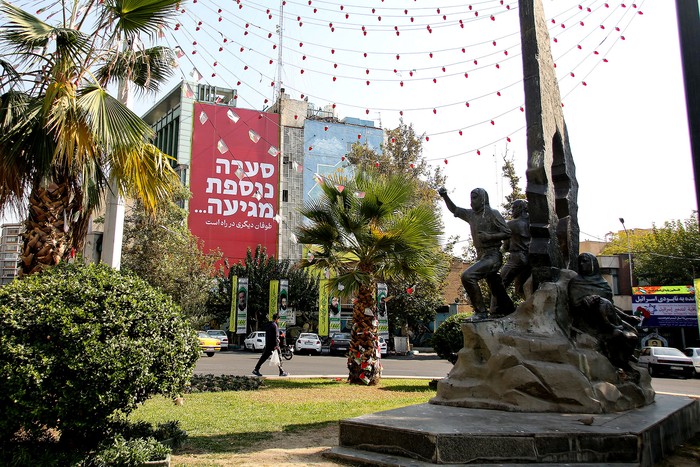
592, 311
488, 229
517, 268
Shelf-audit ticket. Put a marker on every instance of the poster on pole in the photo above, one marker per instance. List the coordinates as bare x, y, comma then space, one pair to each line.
333, 303
283, 300
242, 306
382, 312
696, 283
323, 303
232, 316
274, 292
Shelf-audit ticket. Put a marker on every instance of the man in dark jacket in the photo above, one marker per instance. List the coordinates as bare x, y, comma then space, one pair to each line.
272, 344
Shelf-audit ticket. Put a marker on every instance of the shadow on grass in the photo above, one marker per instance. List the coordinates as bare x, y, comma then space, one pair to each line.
407, 388
300, 383
239, 442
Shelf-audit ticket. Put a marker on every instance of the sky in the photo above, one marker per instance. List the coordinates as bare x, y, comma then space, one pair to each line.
454, 71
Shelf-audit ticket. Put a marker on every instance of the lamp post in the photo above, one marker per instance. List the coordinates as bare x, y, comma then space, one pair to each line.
629, 249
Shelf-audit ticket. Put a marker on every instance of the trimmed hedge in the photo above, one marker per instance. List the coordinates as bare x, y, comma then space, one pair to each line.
82, 346
448, 338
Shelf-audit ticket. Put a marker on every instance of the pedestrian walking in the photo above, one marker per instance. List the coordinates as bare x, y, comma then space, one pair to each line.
272, 344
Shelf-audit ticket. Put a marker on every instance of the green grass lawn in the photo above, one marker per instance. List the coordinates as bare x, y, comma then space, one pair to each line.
219, 422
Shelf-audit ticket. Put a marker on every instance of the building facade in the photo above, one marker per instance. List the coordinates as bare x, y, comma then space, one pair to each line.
10, 247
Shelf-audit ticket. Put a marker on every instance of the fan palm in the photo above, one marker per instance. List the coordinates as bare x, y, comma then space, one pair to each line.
365, 229
63, 137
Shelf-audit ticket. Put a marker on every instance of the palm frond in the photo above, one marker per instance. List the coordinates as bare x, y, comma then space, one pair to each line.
133, 17
147, 69
23, 32
144, 172
113, 125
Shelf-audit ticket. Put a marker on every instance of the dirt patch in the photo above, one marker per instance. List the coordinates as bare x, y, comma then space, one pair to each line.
298, 448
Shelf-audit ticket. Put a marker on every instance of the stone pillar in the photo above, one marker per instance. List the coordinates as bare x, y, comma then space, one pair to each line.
552, 188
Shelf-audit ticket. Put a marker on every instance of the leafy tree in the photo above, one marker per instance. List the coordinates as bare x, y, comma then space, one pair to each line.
63, 137
667, 255
161, 250
509, 172
370, 230
402, 152
260, 269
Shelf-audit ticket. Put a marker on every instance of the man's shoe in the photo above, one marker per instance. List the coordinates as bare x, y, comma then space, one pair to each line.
257, 373
284, 373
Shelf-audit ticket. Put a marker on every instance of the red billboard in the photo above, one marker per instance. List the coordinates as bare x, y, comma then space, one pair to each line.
234, 179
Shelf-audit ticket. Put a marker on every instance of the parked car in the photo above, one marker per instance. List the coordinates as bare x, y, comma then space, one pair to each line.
694, 354
383, 347
666, 360
255, 341
340, 343
221, 335
308, 342
207, 344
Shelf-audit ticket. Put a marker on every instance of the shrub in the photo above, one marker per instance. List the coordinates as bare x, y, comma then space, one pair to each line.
448, 338
217, 383
121, 452
81, 346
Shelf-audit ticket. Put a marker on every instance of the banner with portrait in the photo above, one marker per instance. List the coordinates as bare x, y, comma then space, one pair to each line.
283, 303
333, 303
274, 295
382, 312
232, 315
241, 305
323, 302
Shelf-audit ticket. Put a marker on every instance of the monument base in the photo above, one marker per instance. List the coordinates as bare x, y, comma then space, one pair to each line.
428, 434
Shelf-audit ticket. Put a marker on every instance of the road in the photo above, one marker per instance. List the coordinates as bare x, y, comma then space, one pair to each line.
422, 365
242, 363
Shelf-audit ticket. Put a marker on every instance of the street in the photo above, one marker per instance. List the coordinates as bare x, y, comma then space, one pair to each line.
237, 362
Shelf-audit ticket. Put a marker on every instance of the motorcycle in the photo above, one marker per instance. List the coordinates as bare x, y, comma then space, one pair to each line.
287, 352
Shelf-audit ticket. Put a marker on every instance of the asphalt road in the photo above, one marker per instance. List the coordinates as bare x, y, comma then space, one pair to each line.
238, 362
423, 365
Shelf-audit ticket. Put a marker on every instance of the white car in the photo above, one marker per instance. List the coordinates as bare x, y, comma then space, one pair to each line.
383, 348
221, 335
694, 354
255, 341
308, 342
666, 360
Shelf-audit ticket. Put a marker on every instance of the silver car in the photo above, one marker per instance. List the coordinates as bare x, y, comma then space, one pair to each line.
221, 335
694, 354
660, 360
309, 342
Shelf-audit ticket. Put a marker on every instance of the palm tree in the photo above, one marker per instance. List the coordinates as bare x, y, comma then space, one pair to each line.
365, 229
63, 137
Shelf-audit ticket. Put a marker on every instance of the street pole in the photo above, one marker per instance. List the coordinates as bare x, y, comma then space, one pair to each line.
629, 249
112, 237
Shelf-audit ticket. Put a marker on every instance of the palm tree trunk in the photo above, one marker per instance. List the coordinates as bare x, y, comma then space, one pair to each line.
47, 236
364, 360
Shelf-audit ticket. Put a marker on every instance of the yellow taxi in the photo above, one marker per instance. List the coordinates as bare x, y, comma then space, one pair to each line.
207, 344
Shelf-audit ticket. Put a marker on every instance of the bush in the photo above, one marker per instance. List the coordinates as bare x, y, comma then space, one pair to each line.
121, 452
81, 346
448, 338
217, 383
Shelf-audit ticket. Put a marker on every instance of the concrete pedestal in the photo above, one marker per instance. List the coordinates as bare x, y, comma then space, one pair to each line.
428, 434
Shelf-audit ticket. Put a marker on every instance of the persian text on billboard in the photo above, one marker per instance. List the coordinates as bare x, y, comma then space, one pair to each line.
664, 309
